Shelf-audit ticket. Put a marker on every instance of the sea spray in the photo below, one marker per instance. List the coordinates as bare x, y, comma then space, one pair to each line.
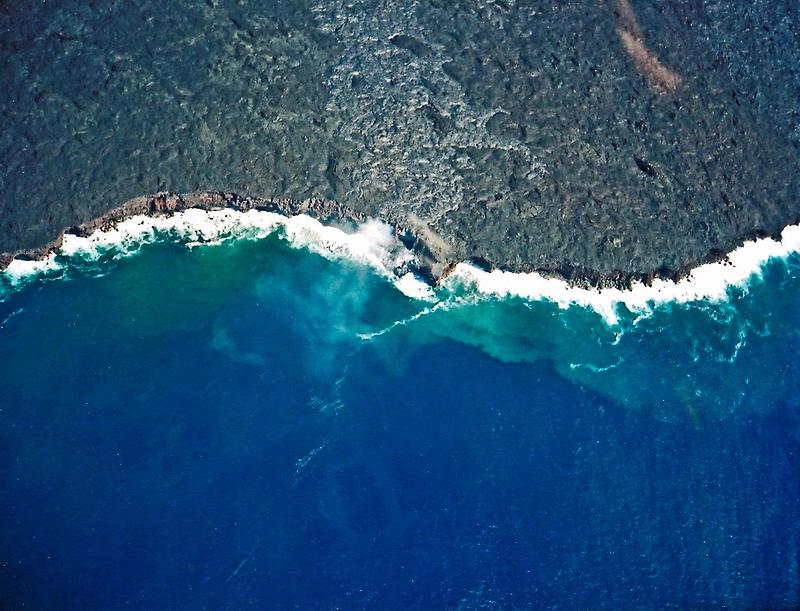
262, 401
710, 282
373, 244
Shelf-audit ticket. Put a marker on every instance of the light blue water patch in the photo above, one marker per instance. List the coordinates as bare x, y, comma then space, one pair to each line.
253, 424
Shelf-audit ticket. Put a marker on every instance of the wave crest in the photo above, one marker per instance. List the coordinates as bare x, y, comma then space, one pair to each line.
710, 282
374, 244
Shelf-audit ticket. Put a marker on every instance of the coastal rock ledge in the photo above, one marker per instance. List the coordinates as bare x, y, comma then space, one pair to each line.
600, 141
433, 252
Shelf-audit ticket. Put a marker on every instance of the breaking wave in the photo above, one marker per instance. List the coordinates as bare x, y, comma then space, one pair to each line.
681, 342
373, 244
710, 282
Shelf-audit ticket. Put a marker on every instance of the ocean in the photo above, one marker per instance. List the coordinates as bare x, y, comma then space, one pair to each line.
224, 410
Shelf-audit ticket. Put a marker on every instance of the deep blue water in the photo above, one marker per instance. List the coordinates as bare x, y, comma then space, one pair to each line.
228, 427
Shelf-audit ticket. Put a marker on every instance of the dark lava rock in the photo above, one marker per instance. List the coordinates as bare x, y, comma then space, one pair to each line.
645, 167
509, 128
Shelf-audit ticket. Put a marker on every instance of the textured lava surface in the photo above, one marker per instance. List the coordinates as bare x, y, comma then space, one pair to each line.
529, 134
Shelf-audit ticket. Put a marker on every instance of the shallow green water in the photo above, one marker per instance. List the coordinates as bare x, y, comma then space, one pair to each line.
251, 423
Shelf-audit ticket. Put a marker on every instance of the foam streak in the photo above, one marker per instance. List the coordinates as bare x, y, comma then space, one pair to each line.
374, 245
709, 282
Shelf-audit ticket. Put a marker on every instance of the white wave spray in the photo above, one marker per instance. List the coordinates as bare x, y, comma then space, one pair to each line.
709, 282
373, 244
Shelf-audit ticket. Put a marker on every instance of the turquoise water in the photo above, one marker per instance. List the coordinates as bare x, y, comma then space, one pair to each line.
250, 423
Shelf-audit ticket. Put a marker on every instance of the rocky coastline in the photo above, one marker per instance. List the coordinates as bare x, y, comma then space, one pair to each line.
603, 142
432, 250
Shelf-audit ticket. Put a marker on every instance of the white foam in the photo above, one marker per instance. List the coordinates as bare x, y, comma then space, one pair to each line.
413, 287
709, 282
372, 244
19, 270
192, 226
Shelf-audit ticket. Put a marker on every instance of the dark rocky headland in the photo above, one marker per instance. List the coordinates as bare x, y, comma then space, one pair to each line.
605, 139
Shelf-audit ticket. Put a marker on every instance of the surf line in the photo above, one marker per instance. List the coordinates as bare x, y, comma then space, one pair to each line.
208, 218
709, 282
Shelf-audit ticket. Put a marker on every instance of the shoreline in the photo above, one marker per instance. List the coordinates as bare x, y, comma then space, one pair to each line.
603, 146
435, 265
